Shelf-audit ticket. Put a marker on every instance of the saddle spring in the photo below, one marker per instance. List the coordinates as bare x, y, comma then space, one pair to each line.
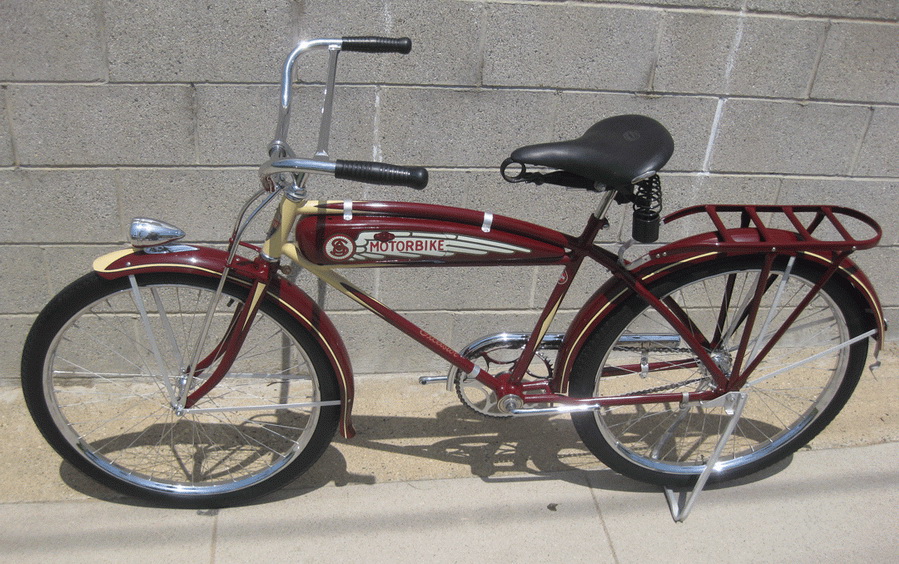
647, 205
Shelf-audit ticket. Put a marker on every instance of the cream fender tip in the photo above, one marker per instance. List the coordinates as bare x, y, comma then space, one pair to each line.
101, 264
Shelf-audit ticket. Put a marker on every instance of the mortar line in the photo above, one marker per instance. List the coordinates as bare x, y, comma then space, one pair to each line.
376, 154
440, 168
47, 272
376, 284
478, 88
656, 48
779, 191
649, 6
7, 110
194, 106
388, 18
482, 44
861, 142
120, 202
104, 38
818, 57
731, 60
628, 92
443, 168
713, 136
729, 64
534, 280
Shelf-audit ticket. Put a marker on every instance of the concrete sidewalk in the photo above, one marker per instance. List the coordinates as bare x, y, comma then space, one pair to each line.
837, 505
427, 479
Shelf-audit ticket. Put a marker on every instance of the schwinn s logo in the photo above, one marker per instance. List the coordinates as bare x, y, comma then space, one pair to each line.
339, 248
375, 245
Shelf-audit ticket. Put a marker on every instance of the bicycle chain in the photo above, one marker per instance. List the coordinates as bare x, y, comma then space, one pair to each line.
673, 386
640, 349
666, 387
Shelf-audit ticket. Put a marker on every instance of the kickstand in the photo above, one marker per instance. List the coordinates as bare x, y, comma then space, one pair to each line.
681, 504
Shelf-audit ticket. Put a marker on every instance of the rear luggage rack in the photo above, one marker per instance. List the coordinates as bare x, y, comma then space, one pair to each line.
814, 228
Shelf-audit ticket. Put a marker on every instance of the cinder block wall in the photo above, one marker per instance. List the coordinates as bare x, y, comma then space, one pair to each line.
117, 108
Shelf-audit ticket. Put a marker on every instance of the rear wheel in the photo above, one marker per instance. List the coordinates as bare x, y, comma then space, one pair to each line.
105, 359
795, 391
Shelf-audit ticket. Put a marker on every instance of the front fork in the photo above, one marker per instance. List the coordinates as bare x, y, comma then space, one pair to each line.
225, 351
229, 346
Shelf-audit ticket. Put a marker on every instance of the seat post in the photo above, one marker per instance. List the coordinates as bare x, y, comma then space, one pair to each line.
604, 204
597, 219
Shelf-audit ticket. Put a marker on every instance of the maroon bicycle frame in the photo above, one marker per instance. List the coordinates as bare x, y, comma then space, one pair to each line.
366, 234
333, 234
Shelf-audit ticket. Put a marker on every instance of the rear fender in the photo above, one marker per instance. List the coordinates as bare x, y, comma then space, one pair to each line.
686, 253
209, 262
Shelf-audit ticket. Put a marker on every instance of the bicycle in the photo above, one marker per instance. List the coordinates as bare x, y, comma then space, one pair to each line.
197, 377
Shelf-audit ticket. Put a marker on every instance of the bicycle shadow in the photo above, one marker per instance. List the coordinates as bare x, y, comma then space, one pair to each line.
495, 450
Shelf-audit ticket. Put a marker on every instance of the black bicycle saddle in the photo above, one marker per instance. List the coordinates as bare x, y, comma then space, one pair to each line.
614, 152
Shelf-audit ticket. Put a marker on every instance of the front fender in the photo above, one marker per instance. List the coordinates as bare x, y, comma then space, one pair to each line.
209, 262
686, 253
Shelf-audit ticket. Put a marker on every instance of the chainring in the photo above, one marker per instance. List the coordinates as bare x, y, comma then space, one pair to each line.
482, 399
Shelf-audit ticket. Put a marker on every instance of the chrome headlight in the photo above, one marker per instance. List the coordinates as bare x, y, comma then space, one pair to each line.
147, 233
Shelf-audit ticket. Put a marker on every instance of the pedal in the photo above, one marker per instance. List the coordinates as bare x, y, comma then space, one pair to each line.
425, 380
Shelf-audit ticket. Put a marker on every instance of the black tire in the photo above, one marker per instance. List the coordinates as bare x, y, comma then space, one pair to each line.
666, 444
99, 391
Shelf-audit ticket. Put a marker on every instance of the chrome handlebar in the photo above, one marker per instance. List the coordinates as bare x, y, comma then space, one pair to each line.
282, 158
402, 45
279, 143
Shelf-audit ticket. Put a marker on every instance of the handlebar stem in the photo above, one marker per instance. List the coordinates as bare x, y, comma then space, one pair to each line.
324, 129
280, 141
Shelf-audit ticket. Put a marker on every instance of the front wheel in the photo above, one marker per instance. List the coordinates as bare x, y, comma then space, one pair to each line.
795, 391
103, 366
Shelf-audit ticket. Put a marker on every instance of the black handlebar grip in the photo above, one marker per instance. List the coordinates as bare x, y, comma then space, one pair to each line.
370, 44
382, 173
